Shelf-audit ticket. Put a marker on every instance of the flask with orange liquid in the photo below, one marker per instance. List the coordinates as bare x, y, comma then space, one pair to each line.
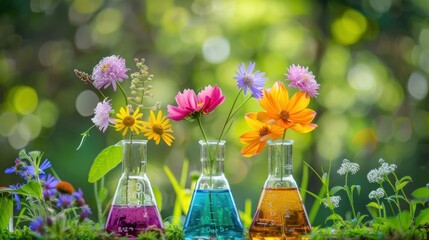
281, 213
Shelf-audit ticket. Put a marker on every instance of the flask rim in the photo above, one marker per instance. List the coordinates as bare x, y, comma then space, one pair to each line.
285, 142
128, 141
212, 142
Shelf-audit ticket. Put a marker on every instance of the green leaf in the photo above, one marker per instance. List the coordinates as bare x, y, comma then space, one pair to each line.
422, 192
105, 161
401, 183
405, 219
31, 189
357, 188
335, 190
423, 217
158, 197
374, 205
334, 217
6, 210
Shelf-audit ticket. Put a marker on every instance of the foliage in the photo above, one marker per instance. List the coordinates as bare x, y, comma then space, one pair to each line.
393, 215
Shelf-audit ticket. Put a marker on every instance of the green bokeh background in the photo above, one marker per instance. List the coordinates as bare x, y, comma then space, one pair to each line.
371, 58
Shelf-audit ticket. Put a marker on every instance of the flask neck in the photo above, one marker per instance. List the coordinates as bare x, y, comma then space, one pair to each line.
134, 157
280, 164
212, 157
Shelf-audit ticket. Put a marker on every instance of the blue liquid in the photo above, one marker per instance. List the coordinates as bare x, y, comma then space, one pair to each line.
213, 219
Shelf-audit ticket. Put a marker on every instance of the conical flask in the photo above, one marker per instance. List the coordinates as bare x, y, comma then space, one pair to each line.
281, 213
134, 207
212, 213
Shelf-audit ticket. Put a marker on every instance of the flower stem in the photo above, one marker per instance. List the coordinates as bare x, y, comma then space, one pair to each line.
230, 114
123, 93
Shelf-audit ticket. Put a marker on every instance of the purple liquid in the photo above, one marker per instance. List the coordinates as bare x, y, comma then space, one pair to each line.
131, 220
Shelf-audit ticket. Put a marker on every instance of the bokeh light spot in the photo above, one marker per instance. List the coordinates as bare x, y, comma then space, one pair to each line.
108, 21
349, 28
216, 49
86, 102
20, 136
25, 99
417, 86
47, 112
175, 18
87, 7
33, 124
7, 120
380, 6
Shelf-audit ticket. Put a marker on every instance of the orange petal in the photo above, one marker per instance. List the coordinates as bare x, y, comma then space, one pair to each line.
298, 102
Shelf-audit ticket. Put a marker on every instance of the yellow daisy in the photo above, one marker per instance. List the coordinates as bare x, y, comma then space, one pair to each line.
158, 127
126, 121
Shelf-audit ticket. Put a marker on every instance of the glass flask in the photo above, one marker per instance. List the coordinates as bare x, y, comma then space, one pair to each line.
212, 213
134, 207
281, 213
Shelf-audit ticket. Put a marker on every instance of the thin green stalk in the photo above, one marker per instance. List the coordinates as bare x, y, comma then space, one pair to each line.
98, 203
123, 93
229, 115
349, 195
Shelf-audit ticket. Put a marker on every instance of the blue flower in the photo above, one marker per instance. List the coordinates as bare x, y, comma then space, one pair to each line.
37, 225
14, 169
65, 201
16, 196
49, 186
246, 79
30, 169
86, 211
79, 197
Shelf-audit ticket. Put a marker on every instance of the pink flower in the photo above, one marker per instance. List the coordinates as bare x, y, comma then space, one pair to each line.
191, 106
302, 79
102, 115
211, 97
187, 103
108, 71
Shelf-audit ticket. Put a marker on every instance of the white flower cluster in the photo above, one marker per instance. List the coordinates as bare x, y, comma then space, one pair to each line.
334, 200
377, 194
377, 175
348, 167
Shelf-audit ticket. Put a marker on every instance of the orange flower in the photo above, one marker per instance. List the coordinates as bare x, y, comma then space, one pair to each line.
287, 113
256, 139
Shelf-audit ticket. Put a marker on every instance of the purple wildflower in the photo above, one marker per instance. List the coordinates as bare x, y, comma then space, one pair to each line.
15, 169
102, 115
85, 212
79, 197
29, 170
64, 201
246, 79
16, 196
37, 225
108, 71
302, 79
49, 186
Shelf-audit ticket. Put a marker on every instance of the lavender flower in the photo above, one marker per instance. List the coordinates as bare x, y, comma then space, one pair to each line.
102, 115
64, 201
246, 79
302, 79
30, 172
347, 167
79, 198
49, 186
37, 225
16, 196
85, 212
108, 71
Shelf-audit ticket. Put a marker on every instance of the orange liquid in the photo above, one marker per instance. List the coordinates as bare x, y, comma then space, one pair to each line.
280, 216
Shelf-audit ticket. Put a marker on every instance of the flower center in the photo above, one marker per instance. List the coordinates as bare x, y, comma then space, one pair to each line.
104, 67
65, 187
284, 115
264, 131
248, 80
157, 129
128, 121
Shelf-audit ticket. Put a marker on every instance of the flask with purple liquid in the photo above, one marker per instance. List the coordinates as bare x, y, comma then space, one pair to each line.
134, 207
